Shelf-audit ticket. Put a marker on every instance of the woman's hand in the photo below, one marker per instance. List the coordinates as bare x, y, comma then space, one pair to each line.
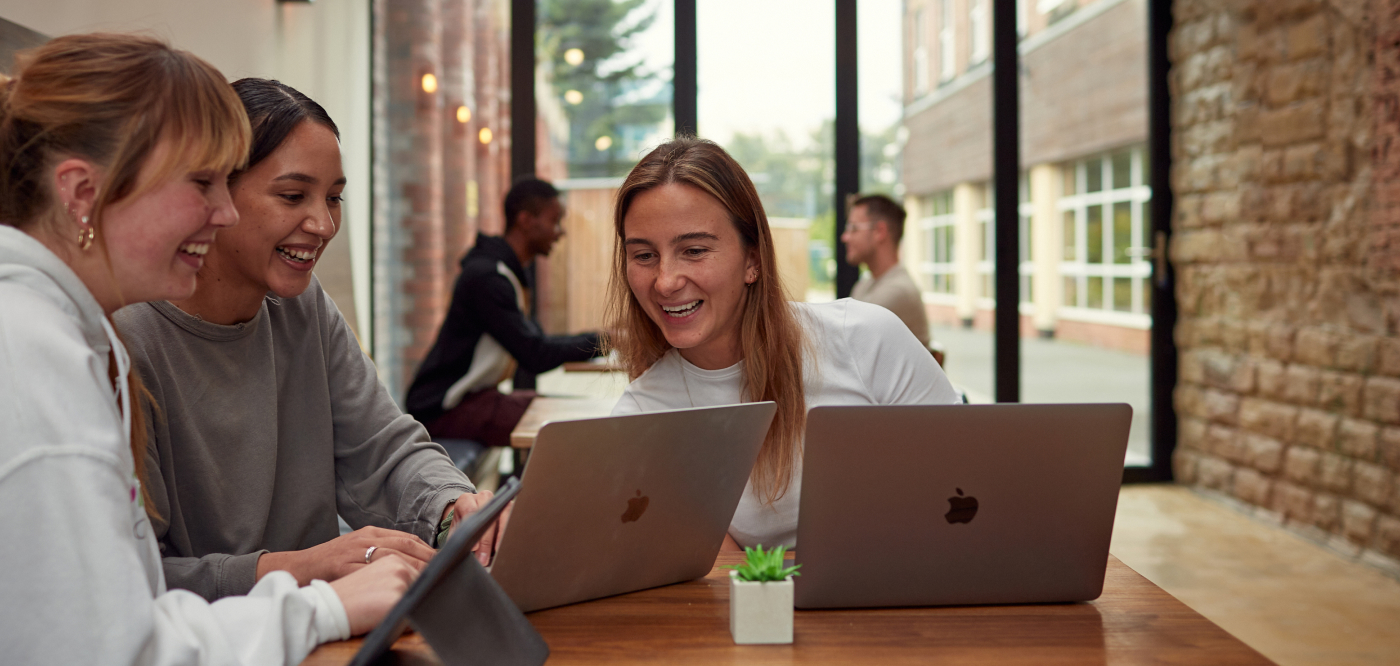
371, 591
345, 555
470, 503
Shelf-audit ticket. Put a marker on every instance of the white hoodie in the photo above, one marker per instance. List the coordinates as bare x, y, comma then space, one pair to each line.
80, 574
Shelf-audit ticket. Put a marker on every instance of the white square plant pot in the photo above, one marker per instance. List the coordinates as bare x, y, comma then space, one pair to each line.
760, 612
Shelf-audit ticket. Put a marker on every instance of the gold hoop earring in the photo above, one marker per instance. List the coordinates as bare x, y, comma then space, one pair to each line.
85, 236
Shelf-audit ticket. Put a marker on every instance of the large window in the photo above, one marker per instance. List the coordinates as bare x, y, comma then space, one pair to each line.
940, 265
1106, 269
606, 75
986, 229
767, 94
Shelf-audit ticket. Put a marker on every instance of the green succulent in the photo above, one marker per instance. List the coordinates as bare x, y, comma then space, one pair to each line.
763, 566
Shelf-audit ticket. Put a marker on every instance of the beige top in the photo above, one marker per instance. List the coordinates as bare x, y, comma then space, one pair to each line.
896, 292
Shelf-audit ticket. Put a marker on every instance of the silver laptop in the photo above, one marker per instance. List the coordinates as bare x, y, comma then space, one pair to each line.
624, 503
958, 504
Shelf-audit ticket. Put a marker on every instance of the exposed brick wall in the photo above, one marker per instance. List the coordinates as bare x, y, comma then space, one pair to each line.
459, 227
1284, 113
426, 160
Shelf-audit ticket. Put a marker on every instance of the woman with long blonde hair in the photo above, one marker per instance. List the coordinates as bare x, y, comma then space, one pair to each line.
115, 152
702, 319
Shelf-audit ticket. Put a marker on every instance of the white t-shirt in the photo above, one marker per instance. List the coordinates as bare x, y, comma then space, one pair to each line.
864, 356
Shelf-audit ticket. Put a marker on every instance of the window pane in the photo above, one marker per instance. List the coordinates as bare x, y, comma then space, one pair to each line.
1122, 170
1122, 232
1025, 238
982, 229
1146, 286
1070, 114
1093, 234
1071, 248
603, 97
1123, 294
768, 96
606, 70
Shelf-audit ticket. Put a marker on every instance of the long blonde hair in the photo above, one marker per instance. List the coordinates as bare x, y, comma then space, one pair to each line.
110, 99
772, 341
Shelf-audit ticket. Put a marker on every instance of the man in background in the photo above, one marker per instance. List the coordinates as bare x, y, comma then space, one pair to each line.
488, 333
873, 231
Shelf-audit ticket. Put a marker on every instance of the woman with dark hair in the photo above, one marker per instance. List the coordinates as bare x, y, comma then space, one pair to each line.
114, 156
703, 319
274, 420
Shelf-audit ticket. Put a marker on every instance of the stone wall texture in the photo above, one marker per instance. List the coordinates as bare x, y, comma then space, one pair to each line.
1286, 146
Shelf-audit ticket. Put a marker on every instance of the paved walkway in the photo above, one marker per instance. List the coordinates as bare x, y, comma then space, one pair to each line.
1056, 371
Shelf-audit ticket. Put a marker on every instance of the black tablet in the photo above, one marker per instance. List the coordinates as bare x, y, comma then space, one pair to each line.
457, 551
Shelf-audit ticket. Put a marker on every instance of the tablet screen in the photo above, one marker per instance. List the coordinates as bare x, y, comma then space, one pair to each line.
457, 550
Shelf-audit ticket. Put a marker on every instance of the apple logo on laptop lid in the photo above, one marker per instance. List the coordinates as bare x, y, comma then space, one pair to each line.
961, 509
636, 506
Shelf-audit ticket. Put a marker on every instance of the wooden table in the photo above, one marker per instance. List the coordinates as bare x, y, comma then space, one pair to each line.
542, 410
596, 365
1134, 622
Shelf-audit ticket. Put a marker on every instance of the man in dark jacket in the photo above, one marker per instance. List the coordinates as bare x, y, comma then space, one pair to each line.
487, 331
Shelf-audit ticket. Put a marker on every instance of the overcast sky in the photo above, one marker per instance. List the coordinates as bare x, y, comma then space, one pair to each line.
770, 64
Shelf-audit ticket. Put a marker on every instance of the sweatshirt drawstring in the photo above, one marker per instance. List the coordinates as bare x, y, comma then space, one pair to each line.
123, 369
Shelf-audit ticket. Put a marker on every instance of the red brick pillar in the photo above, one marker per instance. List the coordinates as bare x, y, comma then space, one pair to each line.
413, 40
456, 137
491, 65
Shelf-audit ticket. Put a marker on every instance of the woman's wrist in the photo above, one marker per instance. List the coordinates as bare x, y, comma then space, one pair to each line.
283, 561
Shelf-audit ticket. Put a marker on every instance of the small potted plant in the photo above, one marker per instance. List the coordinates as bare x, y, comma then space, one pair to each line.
760, 597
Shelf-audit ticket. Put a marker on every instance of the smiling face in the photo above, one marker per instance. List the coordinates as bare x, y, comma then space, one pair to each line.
689, 270
156, 241
289, 204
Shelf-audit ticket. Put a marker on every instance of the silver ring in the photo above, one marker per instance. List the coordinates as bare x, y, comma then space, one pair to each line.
370, 553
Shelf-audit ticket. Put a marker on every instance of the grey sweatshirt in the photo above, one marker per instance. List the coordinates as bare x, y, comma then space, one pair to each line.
81, 581
266, 430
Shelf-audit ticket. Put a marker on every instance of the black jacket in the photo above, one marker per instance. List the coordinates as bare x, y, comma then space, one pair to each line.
484, 303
